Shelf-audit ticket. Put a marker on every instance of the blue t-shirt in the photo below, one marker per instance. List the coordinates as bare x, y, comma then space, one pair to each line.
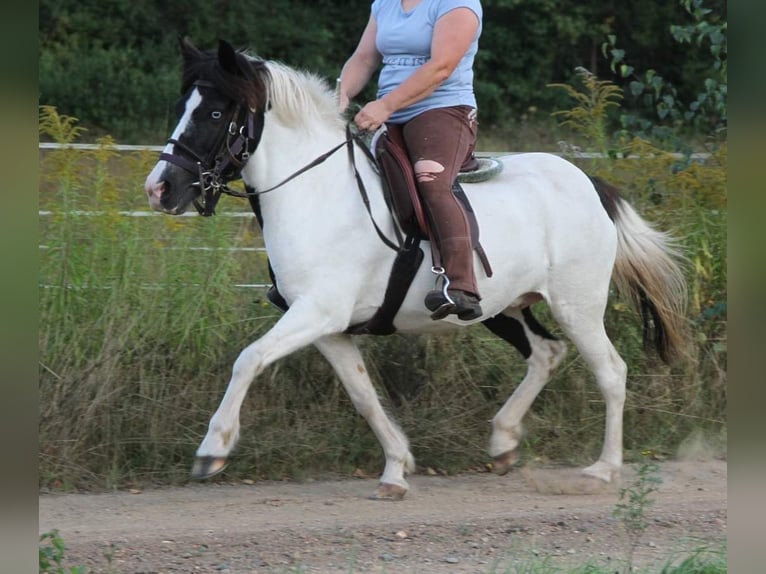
404, 42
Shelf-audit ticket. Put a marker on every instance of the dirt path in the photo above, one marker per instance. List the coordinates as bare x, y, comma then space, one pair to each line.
469, 523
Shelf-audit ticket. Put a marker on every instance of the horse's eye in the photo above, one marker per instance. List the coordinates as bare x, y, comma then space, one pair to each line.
216, 115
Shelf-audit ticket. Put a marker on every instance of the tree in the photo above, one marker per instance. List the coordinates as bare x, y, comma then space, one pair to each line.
115, 64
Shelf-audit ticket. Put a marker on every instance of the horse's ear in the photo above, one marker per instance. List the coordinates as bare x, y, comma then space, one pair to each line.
188, 50
227, 57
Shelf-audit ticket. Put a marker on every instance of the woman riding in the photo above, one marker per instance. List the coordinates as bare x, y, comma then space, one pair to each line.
426, 99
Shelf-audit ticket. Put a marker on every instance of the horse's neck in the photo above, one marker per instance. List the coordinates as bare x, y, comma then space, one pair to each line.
319, 208
284, 150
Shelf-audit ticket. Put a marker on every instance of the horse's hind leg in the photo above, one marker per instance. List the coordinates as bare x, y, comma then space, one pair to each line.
344, 356
584, 325
542, 352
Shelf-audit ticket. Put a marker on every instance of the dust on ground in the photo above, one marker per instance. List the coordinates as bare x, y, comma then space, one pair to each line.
475, 522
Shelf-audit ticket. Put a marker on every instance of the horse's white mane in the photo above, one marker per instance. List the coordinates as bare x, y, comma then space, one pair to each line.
301, 98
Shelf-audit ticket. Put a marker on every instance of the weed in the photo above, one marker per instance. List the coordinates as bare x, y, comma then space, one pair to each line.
589, 117
634, 504
703, 561
52, 552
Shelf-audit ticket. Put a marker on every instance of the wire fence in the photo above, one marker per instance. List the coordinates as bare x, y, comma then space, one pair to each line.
575, 153
137, 213
571, 151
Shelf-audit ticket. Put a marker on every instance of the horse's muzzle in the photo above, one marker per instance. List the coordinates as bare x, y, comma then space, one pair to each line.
154, 192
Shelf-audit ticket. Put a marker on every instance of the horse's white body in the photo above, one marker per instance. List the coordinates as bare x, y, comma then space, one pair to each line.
543, 228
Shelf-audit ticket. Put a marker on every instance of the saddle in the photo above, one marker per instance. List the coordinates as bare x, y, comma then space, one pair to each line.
400, 189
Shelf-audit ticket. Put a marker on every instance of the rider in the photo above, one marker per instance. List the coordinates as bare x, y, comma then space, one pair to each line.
425, 94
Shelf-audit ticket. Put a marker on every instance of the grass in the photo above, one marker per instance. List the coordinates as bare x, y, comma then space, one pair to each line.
701, 561
138, 333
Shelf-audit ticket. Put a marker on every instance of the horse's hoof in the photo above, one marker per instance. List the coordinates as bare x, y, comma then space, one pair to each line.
387, 491
502, 463
605, 472
207, 466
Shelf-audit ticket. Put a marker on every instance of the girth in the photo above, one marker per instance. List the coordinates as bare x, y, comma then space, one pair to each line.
409, 256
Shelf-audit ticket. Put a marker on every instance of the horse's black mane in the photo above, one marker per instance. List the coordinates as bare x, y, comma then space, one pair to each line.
247, 85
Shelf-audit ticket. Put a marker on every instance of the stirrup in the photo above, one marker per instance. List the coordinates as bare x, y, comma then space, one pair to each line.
438, 301
466, 306
441, 303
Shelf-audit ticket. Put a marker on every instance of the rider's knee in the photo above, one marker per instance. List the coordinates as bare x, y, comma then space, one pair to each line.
427, 169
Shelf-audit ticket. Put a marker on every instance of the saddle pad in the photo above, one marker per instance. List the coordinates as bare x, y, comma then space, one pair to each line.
488, 168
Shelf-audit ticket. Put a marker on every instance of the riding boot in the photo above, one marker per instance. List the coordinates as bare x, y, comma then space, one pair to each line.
456, 251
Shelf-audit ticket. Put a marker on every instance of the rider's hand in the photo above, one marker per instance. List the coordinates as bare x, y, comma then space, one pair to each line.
372, 115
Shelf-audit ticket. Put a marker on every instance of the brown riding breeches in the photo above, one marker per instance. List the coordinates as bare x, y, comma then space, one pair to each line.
438, 142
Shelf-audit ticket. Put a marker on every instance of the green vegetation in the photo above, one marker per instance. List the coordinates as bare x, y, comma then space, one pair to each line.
635, 500
704, 561
116, 65
53, 559
52, 554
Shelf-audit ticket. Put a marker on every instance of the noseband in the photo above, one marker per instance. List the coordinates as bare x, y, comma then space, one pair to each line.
225, 162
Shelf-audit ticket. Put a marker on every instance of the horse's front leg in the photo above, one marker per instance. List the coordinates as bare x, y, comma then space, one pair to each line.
344, 356
301, 325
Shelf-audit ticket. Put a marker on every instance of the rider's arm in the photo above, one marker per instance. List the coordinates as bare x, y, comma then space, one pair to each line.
359, 68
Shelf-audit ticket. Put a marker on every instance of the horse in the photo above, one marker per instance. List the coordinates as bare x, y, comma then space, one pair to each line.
551, 232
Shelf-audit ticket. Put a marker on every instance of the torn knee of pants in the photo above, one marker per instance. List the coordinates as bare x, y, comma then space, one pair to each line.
427, 169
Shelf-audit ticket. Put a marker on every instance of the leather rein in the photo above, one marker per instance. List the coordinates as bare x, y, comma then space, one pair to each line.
349, 143
227, 160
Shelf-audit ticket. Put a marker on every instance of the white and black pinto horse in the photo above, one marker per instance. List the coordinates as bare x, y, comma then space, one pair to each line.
549, 232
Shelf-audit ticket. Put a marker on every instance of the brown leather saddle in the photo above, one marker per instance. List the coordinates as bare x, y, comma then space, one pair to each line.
398, 177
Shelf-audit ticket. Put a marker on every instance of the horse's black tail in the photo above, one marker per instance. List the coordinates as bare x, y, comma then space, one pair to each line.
648, 271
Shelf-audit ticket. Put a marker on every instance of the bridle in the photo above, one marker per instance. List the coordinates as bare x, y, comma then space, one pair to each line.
225, 161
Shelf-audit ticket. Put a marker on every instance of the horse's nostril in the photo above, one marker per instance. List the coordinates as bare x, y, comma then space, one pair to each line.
156, 189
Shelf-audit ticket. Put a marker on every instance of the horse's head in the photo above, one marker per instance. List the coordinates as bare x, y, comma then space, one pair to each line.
219, 126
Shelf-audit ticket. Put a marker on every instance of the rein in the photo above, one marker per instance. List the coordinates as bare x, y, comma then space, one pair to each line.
305, 168
349, 142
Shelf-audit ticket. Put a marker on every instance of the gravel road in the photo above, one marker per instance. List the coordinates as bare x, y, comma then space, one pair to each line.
474, 522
